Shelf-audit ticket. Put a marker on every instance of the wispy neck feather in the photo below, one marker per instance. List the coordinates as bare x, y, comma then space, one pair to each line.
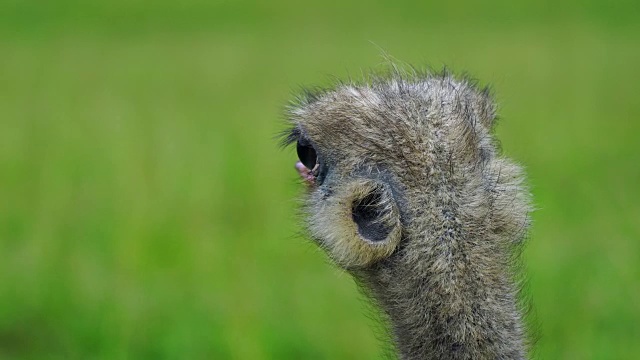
450, 290
462, 309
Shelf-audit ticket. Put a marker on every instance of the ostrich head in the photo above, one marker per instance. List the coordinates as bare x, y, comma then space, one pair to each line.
407, 191
402, 158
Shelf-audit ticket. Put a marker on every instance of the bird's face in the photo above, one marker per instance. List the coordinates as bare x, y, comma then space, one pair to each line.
351, 211
352, 198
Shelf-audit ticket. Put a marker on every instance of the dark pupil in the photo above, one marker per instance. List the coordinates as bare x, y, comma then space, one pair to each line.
307, 155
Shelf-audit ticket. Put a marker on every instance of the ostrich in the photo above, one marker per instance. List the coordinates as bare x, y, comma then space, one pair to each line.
408, 193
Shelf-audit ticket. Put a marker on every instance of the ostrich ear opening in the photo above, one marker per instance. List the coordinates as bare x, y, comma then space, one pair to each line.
359, 224
375, 214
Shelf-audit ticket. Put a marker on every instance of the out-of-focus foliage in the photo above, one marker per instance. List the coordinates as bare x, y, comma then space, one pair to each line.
146, 211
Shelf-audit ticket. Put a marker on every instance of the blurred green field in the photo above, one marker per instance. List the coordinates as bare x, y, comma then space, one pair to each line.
146, 211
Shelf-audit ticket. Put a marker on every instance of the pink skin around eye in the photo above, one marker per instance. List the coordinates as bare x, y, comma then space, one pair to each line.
306, 174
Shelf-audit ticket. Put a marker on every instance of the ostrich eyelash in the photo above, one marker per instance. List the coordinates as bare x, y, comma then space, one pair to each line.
289, 136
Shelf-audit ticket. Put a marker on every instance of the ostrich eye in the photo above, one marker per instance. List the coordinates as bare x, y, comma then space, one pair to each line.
307, 155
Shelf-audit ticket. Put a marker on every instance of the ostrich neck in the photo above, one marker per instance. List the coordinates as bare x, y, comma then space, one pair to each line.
452, 299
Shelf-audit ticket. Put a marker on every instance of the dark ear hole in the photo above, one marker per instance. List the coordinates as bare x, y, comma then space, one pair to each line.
369, 213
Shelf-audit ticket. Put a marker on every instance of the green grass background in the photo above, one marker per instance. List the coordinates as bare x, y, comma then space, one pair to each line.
147, 213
